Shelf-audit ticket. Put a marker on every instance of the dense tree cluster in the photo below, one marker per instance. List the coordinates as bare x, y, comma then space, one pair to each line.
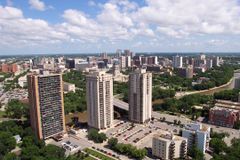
195, 153
75, 77
75, 102
185, 105
225, 152
32, 148
158, 93
126, 149
174, 82
16, 109
4, 76
95, 136
217, 77
121, 88
231, 95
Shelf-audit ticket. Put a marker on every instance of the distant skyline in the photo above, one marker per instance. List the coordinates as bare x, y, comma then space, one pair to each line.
95, 26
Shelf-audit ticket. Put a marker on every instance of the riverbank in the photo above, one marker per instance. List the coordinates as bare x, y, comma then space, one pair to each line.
206, 91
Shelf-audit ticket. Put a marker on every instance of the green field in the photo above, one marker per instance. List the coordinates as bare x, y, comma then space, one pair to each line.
98, 154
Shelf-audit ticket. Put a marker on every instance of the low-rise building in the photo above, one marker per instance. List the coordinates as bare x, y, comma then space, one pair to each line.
22, 81
68, 87
224, 113
197, 135
223, 116
169, 146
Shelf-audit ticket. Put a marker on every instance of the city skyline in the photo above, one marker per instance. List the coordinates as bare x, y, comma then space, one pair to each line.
42, 27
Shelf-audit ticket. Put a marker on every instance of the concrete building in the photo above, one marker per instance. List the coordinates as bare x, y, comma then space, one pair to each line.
9, 68
197, 135
216, 61
118, 53
99, 97
169, 146
209, 63
177, 61
189, 71
122, 62
117, 75
152, 60
128, 61
140, 96
224, 113
22, 81
46, 105
70, 63
223, 116
237, 83
68, 87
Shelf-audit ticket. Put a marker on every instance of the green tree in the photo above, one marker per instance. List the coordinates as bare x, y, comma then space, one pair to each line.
7, 143
218, 145
196, 153
52, 151
96, 137
112, 142
10, 156
16, 109
29, 152
237, 124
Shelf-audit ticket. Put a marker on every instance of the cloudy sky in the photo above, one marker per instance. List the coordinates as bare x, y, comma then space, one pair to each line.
92, 26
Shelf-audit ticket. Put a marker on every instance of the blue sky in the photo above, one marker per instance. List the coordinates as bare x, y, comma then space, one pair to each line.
93, 26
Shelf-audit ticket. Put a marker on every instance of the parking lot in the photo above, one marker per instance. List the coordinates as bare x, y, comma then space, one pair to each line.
139, 135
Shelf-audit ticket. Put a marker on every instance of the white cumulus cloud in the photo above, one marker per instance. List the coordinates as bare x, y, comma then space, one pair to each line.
37, 4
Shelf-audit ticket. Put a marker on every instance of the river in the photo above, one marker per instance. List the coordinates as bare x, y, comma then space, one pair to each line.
229, 85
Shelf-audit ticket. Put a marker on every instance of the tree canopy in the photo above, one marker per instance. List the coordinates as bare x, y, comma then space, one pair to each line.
97, 137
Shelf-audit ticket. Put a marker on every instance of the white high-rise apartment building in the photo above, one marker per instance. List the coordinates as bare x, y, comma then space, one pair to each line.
169, 146
197, 135
140, 96
177, 61
128, 61
99, 87
122, 62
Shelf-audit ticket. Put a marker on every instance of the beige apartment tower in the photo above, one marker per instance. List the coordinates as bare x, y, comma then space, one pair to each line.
99, 97
140, 96
46, 105
169, 146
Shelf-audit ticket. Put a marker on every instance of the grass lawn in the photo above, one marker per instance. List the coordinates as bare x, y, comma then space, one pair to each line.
98, 154
2, 113
89, 158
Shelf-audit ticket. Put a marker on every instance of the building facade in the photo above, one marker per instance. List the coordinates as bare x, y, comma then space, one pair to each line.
177, 61
169, 147
99, 97
46, 105
197, 135
140, 96
223, 116
224, 113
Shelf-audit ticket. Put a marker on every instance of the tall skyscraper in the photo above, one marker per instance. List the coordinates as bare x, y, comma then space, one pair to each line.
99, 97
122, 62
46, 105
140, 96
177, 61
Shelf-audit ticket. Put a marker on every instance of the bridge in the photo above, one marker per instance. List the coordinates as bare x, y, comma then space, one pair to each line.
120, 104
125, 106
